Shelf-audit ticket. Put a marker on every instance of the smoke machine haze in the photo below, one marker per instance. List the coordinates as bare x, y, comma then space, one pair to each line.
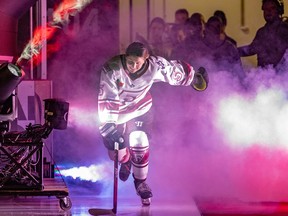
255, 120
94, 173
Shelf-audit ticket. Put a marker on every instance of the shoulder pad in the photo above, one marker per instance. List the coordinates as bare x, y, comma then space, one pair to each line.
113, 64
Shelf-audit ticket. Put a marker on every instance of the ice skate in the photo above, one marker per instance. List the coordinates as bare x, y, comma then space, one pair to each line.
125, 170
146, 202
144, 191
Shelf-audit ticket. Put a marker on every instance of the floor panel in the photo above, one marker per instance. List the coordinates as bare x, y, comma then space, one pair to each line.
50, 205
40, 205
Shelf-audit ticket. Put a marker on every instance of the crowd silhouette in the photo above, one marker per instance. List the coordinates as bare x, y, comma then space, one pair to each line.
204, 42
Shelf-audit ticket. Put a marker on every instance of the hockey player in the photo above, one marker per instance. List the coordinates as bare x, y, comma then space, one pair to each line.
124, 102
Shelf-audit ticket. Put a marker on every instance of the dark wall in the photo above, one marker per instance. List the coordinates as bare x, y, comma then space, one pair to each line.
10, 13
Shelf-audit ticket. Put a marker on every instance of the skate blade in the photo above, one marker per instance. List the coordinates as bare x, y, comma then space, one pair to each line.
146, 202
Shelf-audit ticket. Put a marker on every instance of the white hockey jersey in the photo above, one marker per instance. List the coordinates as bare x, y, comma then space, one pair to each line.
124, 96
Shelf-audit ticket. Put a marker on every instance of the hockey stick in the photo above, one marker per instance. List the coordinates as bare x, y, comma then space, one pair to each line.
113, 211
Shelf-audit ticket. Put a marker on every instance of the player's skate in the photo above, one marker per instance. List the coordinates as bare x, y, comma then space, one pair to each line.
144, 191
125, 170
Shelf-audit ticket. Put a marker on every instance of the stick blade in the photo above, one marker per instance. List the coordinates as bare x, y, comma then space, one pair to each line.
96, 211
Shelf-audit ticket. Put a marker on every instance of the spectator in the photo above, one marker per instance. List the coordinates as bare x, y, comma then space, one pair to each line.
177, 30
196, 24
218, 53
157, 42
194, 31
181, 16
223, 18
271, 40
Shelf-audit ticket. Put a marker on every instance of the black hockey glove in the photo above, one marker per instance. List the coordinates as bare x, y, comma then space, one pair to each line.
201, 80
111, 135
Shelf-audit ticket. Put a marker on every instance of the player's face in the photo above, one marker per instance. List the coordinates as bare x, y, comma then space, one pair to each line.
134, 63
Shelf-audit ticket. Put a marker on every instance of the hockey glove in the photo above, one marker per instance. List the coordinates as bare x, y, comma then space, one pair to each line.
111, 135
201, 80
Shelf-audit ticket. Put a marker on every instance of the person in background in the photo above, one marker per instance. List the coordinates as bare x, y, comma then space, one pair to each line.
215, 52
158, 43
181, 16
271, 40
177, 31
124, 106
222, 16
196, 27
194, 32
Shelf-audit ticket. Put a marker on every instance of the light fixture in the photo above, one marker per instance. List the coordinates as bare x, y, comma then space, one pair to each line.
56, 113
10, 77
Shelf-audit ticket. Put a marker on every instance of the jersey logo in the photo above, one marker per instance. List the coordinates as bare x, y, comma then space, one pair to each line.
160, 64
177, 76
139, 123
101, 91
138, 157
119, 83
